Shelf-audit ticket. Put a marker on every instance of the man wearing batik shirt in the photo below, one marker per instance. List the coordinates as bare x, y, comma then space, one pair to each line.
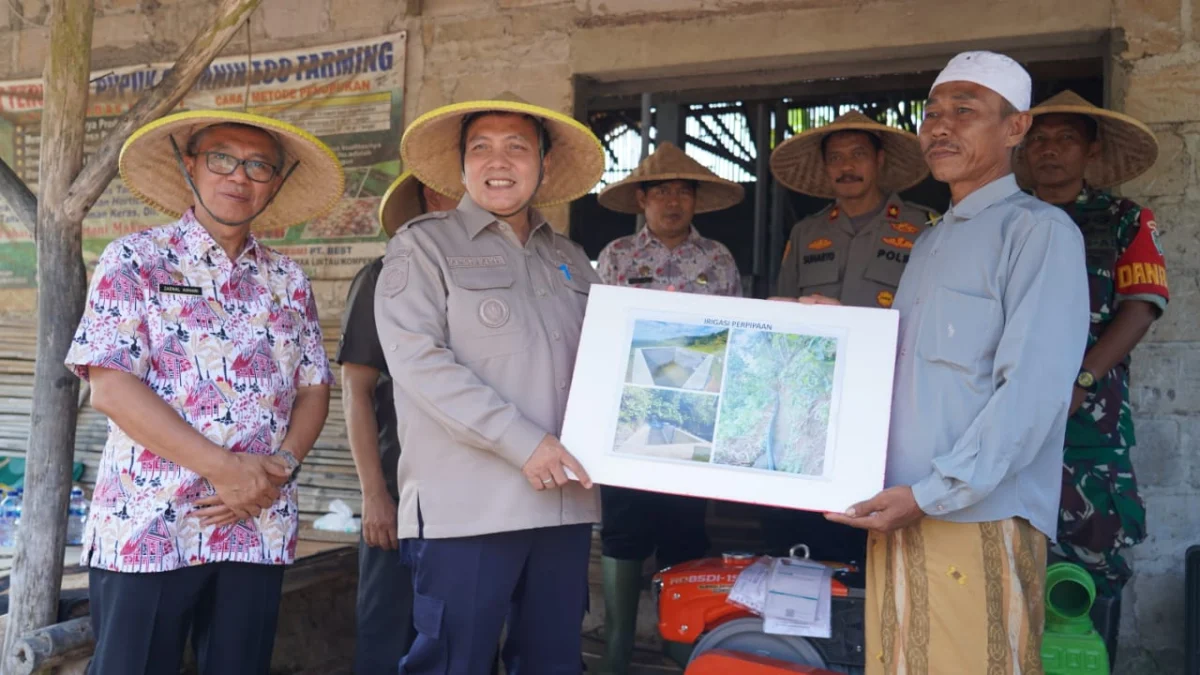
1073, 152
669, 255
204, 350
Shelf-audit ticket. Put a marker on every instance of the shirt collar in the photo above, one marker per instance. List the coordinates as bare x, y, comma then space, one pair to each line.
200, 242
476, 218
1000, 189
645, 238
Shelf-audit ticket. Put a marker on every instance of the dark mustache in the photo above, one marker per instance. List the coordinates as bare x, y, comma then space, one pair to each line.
941, 145
849, 178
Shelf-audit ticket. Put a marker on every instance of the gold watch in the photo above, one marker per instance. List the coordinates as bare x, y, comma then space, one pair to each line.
1085, 380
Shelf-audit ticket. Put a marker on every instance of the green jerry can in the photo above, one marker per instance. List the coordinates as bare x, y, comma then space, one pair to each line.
1071, 645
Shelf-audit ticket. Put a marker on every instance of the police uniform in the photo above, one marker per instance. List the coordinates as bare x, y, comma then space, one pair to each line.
861, 266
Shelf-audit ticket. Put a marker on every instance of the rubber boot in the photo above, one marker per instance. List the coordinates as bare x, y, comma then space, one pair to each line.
622, 589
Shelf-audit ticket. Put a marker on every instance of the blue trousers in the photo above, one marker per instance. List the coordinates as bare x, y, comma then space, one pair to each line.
142, 621
466, 588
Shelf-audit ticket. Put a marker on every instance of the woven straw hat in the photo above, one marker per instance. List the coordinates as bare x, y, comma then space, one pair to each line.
668, 162
799, 165
430, 149
401, 203
1127, 147
151, 172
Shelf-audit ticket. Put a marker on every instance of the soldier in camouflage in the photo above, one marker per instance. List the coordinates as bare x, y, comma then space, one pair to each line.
1073, 151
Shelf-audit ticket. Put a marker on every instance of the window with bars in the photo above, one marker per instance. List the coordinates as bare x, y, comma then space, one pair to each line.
719, 136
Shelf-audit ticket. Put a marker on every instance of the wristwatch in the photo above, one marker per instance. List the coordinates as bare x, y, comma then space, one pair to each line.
292, 463
1085, 380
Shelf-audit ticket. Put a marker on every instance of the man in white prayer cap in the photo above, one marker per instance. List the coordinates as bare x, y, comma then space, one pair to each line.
993, 325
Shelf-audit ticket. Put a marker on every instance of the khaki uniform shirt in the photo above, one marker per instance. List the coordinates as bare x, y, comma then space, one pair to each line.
480, 335
826, 255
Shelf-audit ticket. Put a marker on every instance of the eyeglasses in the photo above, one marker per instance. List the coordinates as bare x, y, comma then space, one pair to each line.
224, 165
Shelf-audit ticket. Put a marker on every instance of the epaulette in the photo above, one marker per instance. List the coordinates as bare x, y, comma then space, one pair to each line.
424, 217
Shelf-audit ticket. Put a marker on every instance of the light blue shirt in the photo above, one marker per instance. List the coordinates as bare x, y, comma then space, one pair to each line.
993, 326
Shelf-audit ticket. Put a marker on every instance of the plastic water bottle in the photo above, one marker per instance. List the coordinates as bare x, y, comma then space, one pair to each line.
77, 514
12, 516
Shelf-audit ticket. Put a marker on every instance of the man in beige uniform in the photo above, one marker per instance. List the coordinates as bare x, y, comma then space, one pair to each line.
854, 250
479, 312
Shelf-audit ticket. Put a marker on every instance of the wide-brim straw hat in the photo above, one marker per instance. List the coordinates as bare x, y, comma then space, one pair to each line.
430, 149
668, 162
1127, 147
799, 165
401, 203
151, 171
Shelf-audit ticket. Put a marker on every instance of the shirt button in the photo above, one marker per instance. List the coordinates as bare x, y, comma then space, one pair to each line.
556, 335
391, 348
562, 384
541, 292
528, 253
941, 507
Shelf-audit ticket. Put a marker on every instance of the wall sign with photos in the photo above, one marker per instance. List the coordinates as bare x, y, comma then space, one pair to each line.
730, 398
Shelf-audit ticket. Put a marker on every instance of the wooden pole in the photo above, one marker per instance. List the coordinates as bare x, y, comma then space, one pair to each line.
66, 195
37, 567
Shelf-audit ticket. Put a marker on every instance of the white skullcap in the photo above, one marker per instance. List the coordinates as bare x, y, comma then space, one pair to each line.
995, 71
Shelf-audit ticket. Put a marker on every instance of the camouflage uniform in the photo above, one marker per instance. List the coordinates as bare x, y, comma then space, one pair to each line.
1101, 512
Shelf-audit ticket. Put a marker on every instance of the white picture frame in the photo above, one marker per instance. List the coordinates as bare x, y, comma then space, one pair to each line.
755, 401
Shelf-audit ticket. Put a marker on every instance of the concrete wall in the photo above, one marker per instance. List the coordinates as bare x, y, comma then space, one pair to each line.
469, 48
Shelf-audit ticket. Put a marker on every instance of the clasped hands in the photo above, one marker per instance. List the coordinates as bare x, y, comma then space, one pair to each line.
245, 484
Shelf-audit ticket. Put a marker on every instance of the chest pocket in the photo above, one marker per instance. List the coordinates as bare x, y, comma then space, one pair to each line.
963, 331
482, 317
819, 268
886, 266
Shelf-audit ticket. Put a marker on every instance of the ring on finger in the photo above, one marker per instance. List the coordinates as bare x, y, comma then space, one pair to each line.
547, 481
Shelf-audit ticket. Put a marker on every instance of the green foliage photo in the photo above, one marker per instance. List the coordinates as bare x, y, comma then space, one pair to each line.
776, 401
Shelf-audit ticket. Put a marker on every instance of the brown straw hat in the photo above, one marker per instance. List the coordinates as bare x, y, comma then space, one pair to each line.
430, 149
401, 203
1127, 147
151, 171
668, 162
799, 165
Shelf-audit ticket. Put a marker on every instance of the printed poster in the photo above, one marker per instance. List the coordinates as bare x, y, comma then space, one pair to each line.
350, 95
733, 398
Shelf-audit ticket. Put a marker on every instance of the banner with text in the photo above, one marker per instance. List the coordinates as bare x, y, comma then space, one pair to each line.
350, 95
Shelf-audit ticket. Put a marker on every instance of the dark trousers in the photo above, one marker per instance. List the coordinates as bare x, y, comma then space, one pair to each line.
142, 621
637, 524
383, 613
466, 588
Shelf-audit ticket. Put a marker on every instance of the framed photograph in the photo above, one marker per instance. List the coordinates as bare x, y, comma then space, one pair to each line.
746, 400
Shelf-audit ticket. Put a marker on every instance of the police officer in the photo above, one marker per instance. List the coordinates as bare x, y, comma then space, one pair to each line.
383, 616
481, 309
669, 255
853, 250
1073, 153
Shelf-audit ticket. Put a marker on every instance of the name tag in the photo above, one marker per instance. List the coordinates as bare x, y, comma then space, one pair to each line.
460, 262
641, 280
176, 289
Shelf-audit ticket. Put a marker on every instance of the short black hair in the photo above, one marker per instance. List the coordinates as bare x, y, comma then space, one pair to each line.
540, 127
876, 142
647, 185
193, 143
